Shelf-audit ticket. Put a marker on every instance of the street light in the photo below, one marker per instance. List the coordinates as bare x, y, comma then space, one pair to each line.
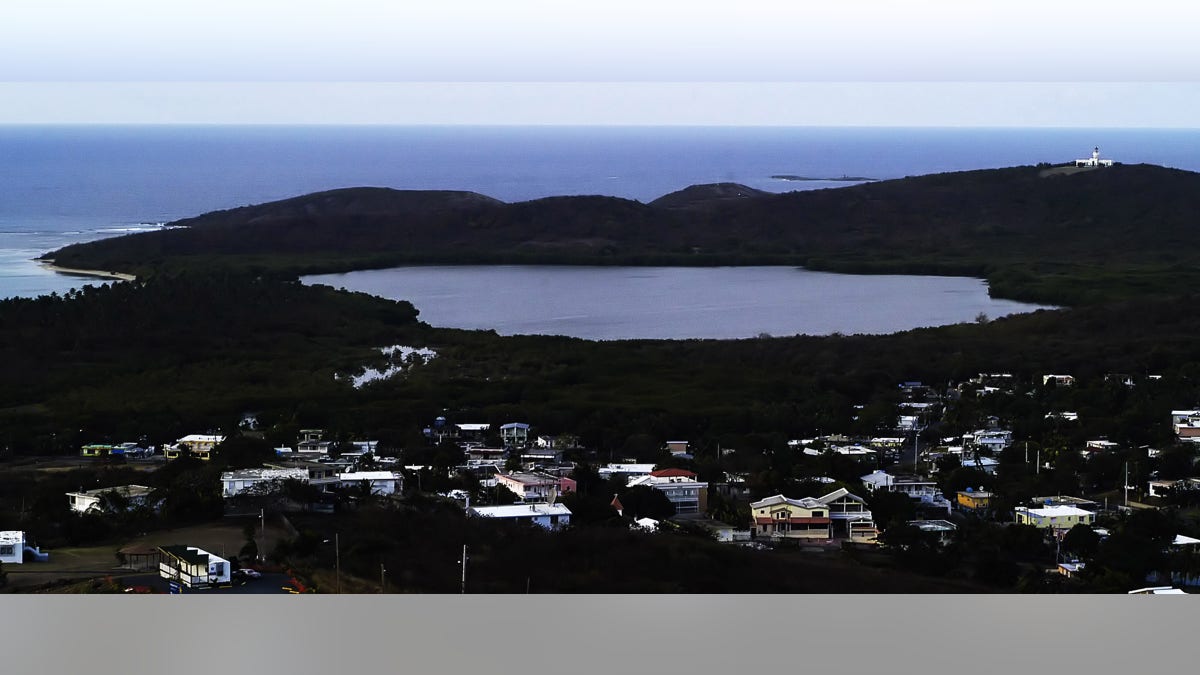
337, 561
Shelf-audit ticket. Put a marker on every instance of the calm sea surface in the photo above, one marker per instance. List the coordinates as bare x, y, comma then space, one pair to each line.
64, 184
615, 303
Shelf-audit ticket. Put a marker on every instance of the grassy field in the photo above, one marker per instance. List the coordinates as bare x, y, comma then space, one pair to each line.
224, 539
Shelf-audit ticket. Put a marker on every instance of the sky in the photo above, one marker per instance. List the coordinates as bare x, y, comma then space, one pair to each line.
754, 62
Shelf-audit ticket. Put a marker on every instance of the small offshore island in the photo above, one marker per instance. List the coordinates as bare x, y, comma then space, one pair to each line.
224, 416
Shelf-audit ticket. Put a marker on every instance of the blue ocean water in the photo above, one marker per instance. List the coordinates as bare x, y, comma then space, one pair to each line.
62, 184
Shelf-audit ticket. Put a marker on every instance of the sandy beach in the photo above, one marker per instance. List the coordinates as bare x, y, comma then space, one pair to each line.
49, 264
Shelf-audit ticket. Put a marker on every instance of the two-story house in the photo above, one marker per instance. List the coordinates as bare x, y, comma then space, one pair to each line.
779, 517
685, 493
535, 486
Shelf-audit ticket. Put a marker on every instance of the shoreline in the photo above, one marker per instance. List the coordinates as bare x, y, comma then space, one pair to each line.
104, 274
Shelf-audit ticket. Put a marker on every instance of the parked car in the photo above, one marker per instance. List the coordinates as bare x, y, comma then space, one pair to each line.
246, 573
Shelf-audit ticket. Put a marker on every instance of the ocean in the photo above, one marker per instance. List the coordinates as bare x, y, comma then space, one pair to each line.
64, 184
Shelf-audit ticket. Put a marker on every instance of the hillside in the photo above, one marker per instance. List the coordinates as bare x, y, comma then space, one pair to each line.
1060, 238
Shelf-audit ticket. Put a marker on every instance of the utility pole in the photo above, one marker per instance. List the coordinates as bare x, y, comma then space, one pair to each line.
1126, 484
262, 514
463, 589
382, 581
337, 562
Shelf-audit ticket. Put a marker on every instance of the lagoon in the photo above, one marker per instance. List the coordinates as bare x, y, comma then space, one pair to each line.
621, 303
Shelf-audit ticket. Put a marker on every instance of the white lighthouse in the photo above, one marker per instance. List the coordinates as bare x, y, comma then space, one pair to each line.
1094, 160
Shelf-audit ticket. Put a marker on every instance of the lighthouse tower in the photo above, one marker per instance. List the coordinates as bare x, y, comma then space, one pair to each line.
1094, 160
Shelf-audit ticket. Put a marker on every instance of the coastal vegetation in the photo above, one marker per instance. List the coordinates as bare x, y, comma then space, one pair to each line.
1059, 239
216, 325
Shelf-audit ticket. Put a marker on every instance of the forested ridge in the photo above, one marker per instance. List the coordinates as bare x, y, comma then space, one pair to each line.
1066, 239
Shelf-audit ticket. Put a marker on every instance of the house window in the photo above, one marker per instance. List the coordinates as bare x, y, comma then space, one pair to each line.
818, 514
6, 549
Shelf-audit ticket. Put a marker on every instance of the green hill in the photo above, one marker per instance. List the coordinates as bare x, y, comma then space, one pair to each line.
1066, 238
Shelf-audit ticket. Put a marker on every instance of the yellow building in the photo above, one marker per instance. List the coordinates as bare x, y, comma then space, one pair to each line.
975, 500
781, 517
96, 450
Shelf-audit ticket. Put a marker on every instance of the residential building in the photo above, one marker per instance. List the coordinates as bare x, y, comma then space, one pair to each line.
677, 447
89, 500
1054, 517
192, 567
722, 532
473, 432
849, 515
1065, 500
514, 434
541, 456
1187, 424
12, 546
535, 486
1058, 380
1070, 569
974, 500
561, 442
550, 516
478, 453
96, 450
779, 517
626, 470
991, 440
1163, 488
382, 482
987, 465
258, 481
1100, 445
320, 474
924, 492
200, 446
311, 442
687, 494
943, 529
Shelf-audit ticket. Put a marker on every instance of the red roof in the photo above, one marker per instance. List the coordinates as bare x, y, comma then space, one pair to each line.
673, 473
616, 504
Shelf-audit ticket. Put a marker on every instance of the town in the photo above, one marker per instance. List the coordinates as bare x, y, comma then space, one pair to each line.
1008, 482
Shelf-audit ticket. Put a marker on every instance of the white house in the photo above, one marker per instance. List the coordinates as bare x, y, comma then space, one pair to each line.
627, 470
200, 446
382, 482
922, 491
89, 500
687, 494
1059, 380
850, 514
1054, 517
192, 567
12, 546
257, 480
549, 516
1094, 160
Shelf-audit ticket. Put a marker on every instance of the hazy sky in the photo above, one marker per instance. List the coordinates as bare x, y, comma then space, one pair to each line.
866, 62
